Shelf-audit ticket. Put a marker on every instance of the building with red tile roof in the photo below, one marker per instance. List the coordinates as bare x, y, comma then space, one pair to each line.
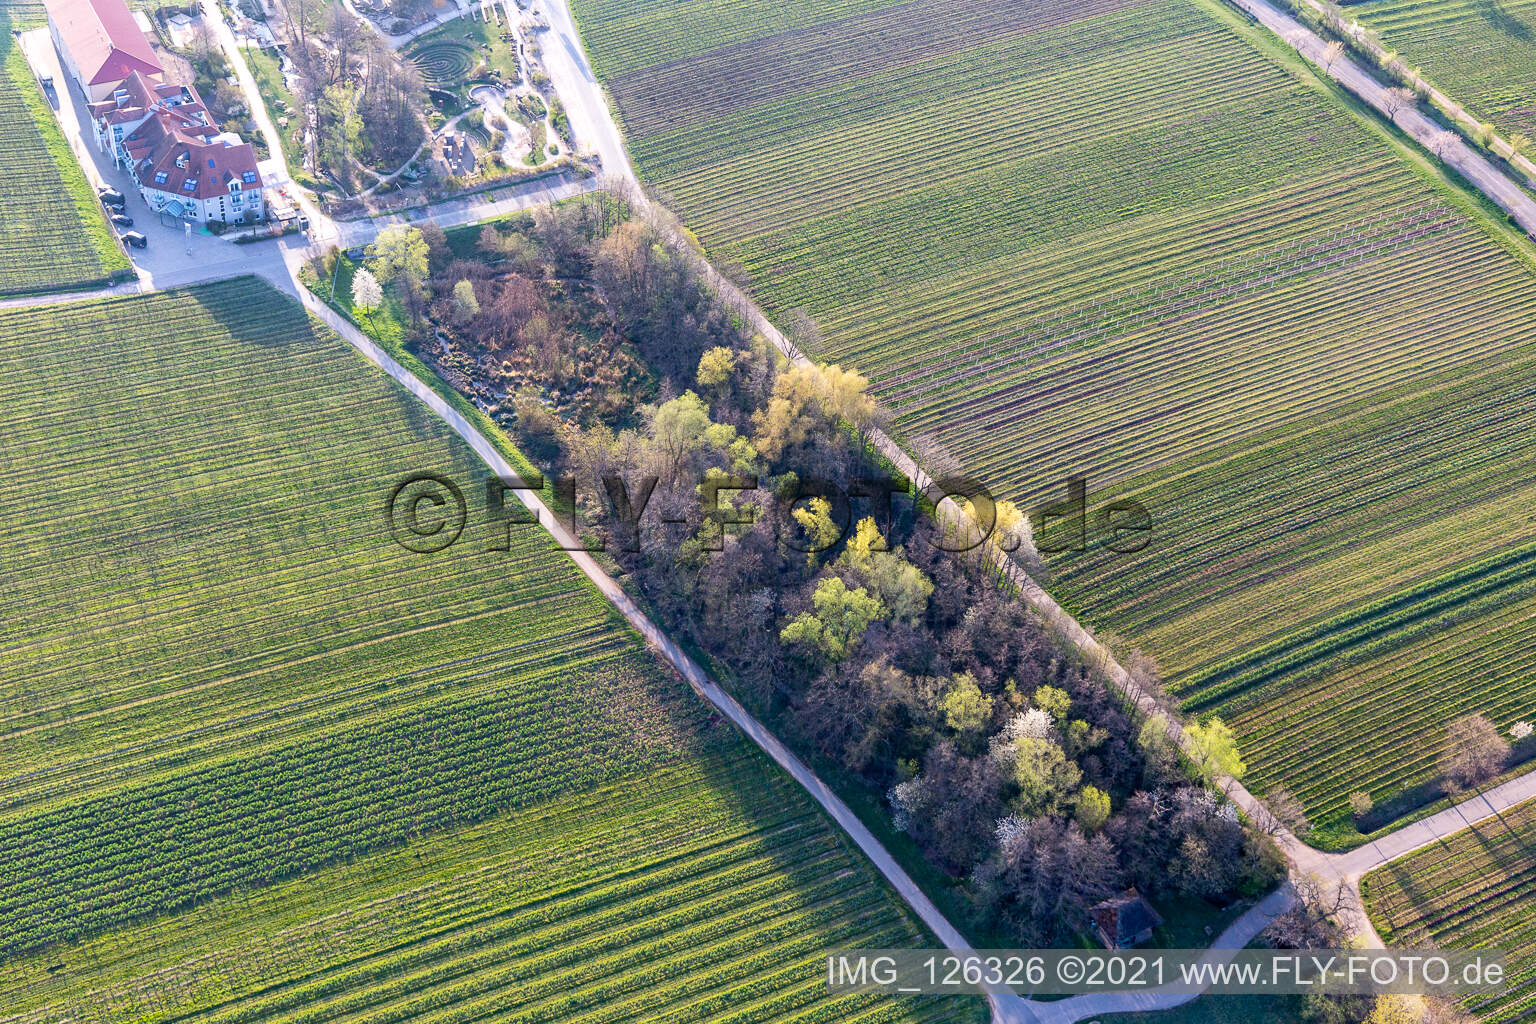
189, 169
100, 43
184, 165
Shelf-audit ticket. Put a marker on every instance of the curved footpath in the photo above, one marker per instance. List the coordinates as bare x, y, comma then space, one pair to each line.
1238, 934
592, 122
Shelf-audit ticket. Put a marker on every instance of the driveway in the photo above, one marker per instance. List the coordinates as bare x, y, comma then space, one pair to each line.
174, 256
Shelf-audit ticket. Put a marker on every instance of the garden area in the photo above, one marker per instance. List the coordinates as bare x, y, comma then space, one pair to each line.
465, 52
282, 106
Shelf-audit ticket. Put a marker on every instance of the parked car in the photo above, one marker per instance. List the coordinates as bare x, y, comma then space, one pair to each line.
135, 239
122, 220
111, 197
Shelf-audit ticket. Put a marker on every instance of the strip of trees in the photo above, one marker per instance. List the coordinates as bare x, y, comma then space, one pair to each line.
841, 619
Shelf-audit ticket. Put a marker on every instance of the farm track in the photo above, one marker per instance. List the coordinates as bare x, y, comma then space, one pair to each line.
1477, 52
1502, 282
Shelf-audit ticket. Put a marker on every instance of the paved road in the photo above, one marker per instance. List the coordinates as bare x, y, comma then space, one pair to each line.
1487, 178
586, 104
1008, 1009
1437, 827
1450, 106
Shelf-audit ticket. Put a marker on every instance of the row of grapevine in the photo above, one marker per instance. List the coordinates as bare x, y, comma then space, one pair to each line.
1117, 241
47, 204
1472, 891
302, 773
707, 891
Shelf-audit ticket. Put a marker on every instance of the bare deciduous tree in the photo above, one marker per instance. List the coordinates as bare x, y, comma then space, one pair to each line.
1399, 98
1287, 811
1312, 922
1331, 54
1474, 752
1441, 142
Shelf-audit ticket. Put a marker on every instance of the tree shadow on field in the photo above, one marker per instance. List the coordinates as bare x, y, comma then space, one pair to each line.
244, 306
1505, 855
750, 802
1494, 13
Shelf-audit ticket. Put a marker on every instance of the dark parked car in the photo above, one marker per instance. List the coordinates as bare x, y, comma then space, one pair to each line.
111, 197
135, 239
122, 220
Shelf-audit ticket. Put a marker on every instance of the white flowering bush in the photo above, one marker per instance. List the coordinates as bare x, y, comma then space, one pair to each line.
907, 798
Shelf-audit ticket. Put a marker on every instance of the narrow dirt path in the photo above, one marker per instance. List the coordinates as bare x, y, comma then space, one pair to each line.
1007, 1009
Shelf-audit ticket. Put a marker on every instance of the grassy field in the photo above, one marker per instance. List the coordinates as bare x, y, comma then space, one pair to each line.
1472, 891
47, 204
258, 758
268, 75
1481, 52
1126, 240
23, 14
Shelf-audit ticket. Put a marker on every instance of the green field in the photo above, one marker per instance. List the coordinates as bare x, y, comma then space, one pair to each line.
1124, 240
47, 204
258, 758
1480, 52
24, 14
1471, 891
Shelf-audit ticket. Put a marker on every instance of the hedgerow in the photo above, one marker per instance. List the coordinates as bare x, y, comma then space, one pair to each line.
1118, 241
